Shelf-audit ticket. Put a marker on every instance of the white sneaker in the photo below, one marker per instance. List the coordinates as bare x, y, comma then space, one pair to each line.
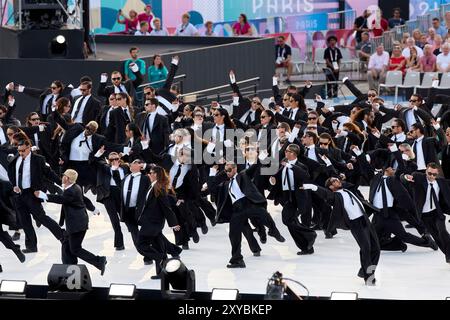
96, 212
345, 79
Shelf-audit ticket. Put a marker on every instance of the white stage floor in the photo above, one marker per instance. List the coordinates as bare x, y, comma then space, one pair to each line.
419, 273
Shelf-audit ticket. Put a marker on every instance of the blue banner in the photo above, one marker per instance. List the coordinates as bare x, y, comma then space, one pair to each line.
309, 22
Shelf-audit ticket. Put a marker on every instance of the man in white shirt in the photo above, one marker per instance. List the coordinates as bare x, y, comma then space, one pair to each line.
186, 28
143, 30
377, 67
443, 59
410, 42
158, 30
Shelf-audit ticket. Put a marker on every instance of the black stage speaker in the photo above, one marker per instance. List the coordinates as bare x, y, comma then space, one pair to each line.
387, 6
69, 278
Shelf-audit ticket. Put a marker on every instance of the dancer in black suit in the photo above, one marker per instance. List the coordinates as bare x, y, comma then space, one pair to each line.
128, 86
119, 118
73, 212
86, 108
350, 212
151, 242
432, 200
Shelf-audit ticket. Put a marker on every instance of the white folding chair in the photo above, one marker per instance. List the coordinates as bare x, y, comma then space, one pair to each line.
445, 81
393, 80
348, 59
412, 80
297, 61
318, 59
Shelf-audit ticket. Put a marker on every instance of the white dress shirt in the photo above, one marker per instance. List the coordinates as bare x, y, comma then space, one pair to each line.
108, 116
173, 150
26, 174
117, 90
36, 139
79, 118
151, 121
276, 147
121, 173
186, 30
312, 152
160, 32
134, 188
3, 139
150, 190
378, 197
3, 174
252, 116
221, 132
80, 153
288, 170
294, 113
399, 137
351, 205
46, 100
421, 165
410, 119
233, 188
173, 171
428, 207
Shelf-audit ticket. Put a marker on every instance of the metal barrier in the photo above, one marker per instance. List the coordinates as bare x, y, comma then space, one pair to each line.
412, 25
435, 13
444, 8
201, 94
341, 19
399, 31
140, 89
424, 22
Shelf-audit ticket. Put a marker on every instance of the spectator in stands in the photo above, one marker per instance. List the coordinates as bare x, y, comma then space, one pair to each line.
431, 36
364, 48
360, 25
416, 35
438, 28
242, 27
412, 62
186, 28
333, 57
157, 71
130, 22
397, 61
134, 54
158, 30
437, 45
447, 20
143, 30
396, 20
147, 16
405, 38
378, 64
379, 25
423, 41
411, 43
443, 60
209, 32
283, 57
428, 61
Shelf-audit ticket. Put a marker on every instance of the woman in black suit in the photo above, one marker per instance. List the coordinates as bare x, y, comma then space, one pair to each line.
134, 139
74, 214
151, 242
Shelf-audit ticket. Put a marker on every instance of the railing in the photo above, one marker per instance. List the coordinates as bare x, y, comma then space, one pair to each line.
202, 96
412, 25
444, 8
140, 89
424, 22
341, 19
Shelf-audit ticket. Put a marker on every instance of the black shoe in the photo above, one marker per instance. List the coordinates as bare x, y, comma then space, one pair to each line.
120, 248
240, 264
195, 237
38, 224
430, 241
257, 254
446, 260
306, 252
155, 277
361, 273
19, 254
26, 250
148, 262
1, 269
204, 229
103, 263
263, 237
16, 236
185, 246
404, 247
277, 235
328, 235
213, 223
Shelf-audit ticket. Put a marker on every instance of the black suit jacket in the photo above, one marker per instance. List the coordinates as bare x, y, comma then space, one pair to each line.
40, 171
432, 146
159, 136
42, 93
117, 125
156, 210
104, 179
101, 120
144, 185
73, 210
91, 110
130, 86
446, 161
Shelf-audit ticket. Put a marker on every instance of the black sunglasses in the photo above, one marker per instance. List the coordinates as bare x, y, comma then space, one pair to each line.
228, 170
413, 101
432, 174
114, 79
34, 119
312, 118
114, 159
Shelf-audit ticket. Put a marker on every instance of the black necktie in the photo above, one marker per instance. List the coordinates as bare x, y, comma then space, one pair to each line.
78, 107
85, 141
289, 114
116, 177
177, 175
350, 195
19, 183
248, 119
130, 188
230, 189
433, 198
217, 134
120, 88
415, 147
125, 113
306, 151
384, 197
129, 144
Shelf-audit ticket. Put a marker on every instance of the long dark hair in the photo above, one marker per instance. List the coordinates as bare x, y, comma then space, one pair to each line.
270, 113
227, 120
29, 117
161, 66
299, 99
162, 185
244, 17
137, 133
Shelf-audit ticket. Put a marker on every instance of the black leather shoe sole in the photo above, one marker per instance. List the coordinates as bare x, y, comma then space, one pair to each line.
29, 250
236, 265
306, 252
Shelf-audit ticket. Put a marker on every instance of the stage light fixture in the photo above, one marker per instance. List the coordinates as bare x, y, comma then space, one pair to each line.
13, 289
224, 294
176, 275
122, 291
344, 296
58, 46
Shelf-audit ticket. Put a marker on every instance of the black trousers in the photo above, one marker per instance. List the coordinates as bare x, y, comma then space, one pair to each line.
242, 211
152, 248
112, 205
28, 205
392, 224
7, 241
207, 209
72, 250
332, 88
367, 240
186, 220
435, 224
